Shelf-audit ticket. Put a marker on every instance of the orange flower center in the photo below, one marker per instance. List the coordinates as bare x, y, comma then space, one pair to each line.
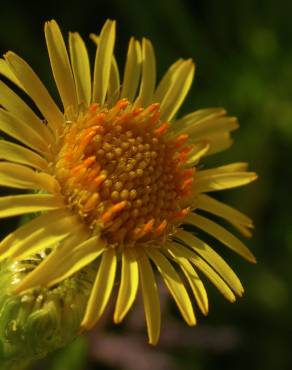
122, 174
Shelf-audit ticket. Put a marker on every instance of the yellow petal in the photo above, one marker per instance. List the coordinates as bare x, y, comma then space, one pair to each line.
36, 90
80, 256
218, 142
14, 104
166, 81
7, 72
190, 273
150, 297
174, 284
128, 286
178, 251
21, 131
198, 151
40, 233
60, 65
103, 60
230, 214
212, 258
14, 205
17, 176
221, 234
69, 257
132, 70
199, 117
181, 81
242, 229
114, 83
101, 290
113, 91
81, 68
233, 167
222, 181
15, 153
148, 78
209, 126
202, 125
46, 271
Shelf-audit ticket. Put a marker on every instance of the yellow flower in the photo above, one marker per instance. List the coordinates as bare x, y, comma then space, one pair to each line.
115, 176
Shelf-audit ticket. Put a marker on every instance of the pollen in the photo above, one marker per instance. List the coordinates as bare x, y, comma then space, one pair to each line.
122, 174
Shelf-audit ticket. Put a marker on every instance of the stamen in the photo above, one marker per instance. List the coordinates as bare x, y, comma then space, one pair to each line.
162, 129
180, 214
180, 140
93, 107
91, 203
141, 232
99, 180
186, 184
110, 213
121, 104
89, 161
160, 229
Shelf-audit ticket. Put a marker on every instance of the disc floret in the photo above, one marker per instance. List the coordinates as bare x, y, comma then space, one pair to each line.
122, 173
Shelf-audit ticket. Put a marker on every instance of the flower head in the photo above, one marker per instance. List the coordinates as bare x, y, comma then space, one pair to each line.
115, 178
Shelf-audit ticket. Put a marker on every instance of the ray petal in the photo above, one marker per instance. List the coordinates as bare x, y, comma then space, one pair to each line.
222, 181
199, 150
14, 104
148, 77
103, 60
232, 167
212, 258
40, 233
81, 255
13, 205
205, 127
36, 90
101, 290
21, 177
221, 234
61, 66
129, 284
132, 70
114, 83
200, 114
22, 131
7, 72
80, 67
150, 297
201, 118
181, 81
65, 260
15, 153
219, 142
166, 81
178, 250
195, 282
236, 218
174, 285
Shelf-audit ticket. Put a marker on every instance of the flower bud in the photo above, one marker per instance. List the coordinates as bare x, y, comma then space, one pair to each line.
39, 320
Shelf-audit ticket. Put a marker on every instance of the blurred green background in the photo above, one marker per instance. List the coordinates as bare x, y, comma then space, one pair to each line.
243, 54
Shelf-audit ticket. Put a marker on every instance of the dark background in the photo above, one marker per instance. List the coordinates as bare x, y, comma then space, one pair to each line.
243, 55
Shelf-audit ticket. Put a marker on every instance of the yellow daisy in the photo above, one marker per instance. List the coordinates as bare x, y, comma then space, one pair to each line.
115, 177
